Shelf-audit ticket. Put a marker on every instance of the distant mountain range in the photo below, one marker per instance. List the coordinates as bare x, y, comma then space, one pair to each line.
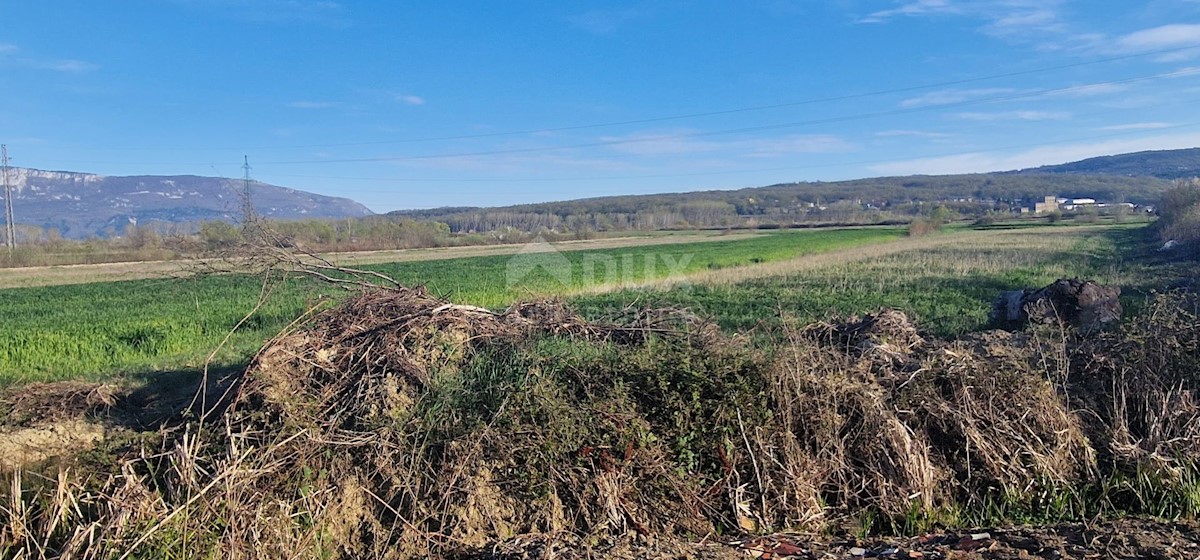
83, 204
1164, 164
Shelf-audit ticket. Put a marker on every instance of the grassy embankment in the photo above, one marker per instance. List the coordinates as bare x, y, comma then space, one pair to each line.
103, 330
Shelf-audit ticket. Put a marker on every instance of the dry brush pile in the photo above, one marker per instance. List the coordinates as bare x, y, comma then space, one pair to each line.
400, 425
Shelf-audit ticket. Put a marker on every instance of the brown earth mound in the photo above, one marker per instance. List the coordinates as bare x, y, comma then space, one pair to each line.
1083, 304
42, 421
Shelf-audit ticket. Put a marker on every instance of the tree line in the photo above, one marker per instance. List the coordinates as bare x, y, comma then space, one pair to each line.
924, 200
858, 201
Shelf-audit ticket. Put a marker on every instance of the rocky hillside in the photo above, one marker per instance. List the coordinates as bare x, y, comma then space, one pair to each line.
83, 204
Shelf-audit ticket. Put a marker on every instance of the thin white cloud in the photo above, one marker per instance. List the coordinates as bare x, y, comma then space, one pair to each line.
320, 12
679, 143
792, 145
662, 143
1089, 90
66, 66
1035, 18
524, 165
1035, 22
314, 104
1001, 18
1138, 126
981, 162
410, 99
950, 96
1185, 72
27, 140
914, 8
913, 134
1025, 115
57, 65
604, 22
1159, 38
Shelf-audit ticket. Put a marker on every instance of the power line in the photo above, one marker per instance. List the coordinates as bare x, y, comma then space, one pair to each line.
736, 110
1035, 93
747, 171
830, 120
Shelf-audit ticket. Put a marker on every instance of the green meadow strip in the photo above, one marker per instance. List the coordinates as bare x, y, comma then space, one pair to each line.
141, 327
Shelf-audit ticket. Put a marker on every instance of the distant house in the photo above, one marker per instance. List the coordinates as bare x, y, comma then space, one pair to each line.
1076, 203
1048, 205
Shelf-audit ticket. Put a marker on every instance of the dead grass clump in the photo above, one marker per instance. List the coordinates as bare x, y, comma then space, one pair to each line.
364, 363
996, 420
840, 442
1141, 387
873, 416
399, 425
884, 341
380, 380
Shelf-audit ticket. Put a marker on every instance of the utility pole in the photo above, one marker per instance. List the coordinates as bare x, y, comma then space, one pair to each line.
10, 230
248, 214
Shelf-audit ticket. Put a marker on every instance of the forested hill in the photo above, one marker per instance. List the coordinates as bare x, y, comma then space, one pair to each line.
857, 200
1165, 164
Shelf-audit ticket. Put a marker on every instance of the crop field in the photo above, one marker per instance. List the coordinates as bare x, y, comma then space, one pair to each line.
140, 327
946, 283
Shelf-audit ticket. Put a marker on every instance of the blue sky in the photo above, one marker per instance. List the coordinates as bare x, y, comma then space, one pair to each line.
420, 104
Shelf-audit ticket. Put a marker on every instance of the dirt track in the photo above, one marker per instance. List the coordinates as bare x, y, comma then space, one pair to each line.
1117, 539
1122, 538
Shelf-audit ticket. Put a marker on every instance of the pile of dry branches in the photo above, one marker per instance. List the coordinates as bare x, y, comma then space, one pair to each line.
400, 425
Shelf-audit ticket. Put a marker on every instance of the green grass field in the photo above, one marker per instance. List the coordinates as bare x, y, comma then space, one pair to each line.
947, 288
141, 327
946, 281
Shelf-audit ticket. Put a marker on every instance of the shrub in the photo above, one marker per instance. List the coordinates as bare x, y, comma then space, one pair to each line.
218, 235
923, 226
